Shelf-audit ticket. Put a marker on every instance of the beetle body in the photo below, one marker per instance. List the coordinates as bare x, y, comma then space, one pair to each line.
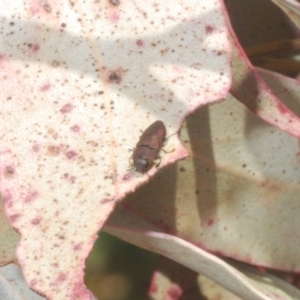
147, 149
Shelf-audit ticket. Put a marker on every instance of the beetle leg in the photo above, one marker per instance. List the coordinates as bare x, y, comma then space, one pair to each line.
158, 163
167, 151
172, 135
130, 161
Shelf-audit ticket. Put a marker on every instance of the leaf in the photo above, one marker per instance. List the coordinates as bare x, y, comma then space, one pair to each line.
169, 280
241, 186
13, 285
251, 90
79, 82
248, 286
285, 88
291, 8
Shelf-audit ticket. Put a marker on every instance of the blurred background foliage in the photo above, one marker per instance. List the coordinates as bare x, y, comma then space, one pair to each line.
116, 270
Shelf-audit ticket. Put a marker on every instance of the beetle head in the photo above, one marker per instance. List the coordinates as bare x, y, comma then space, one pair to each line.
142, 164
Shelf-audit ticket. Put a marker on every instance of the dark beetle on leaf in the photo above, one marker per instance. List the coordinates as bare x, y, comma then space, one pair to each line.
147, 149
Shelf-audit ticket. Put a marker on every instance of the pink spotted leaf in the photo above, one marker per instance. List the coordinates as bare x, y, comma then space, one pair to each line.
79, 82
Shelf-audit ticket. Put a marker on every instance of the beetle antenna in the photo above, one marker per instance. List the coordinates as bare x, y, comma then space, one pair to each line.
172, 135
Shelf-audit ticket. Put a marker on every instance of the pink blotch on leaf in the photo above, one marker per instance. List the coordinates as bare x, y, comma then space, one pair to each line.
33, 282
71, 154
153, 288
14, 218
114, 17
75, 128
77, 247
6, 195
30, 196
283, 110
36, 221
72, 179
67, 108
174, 293
178, 70
80, 291
210, 222
36, 147
128, 176
209, 29
45, 87
61, 278
3, 61
140, 43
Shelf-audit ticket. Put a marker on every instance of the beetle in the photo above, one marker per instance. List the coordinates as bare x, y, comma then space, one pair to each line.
147, 149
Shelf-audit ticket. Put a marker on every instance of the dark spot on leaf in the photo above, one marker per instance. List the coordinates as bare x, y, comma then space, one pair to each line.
46, 6
53, 150
182, 169
33, 47
115, 2
115, 77
60, 236
106, 200
9, 171
55, 64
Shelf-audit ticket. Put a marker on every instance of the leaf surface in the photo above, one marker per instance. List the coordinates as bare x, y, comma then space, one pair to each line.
241, 185
79, 81
244, 282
